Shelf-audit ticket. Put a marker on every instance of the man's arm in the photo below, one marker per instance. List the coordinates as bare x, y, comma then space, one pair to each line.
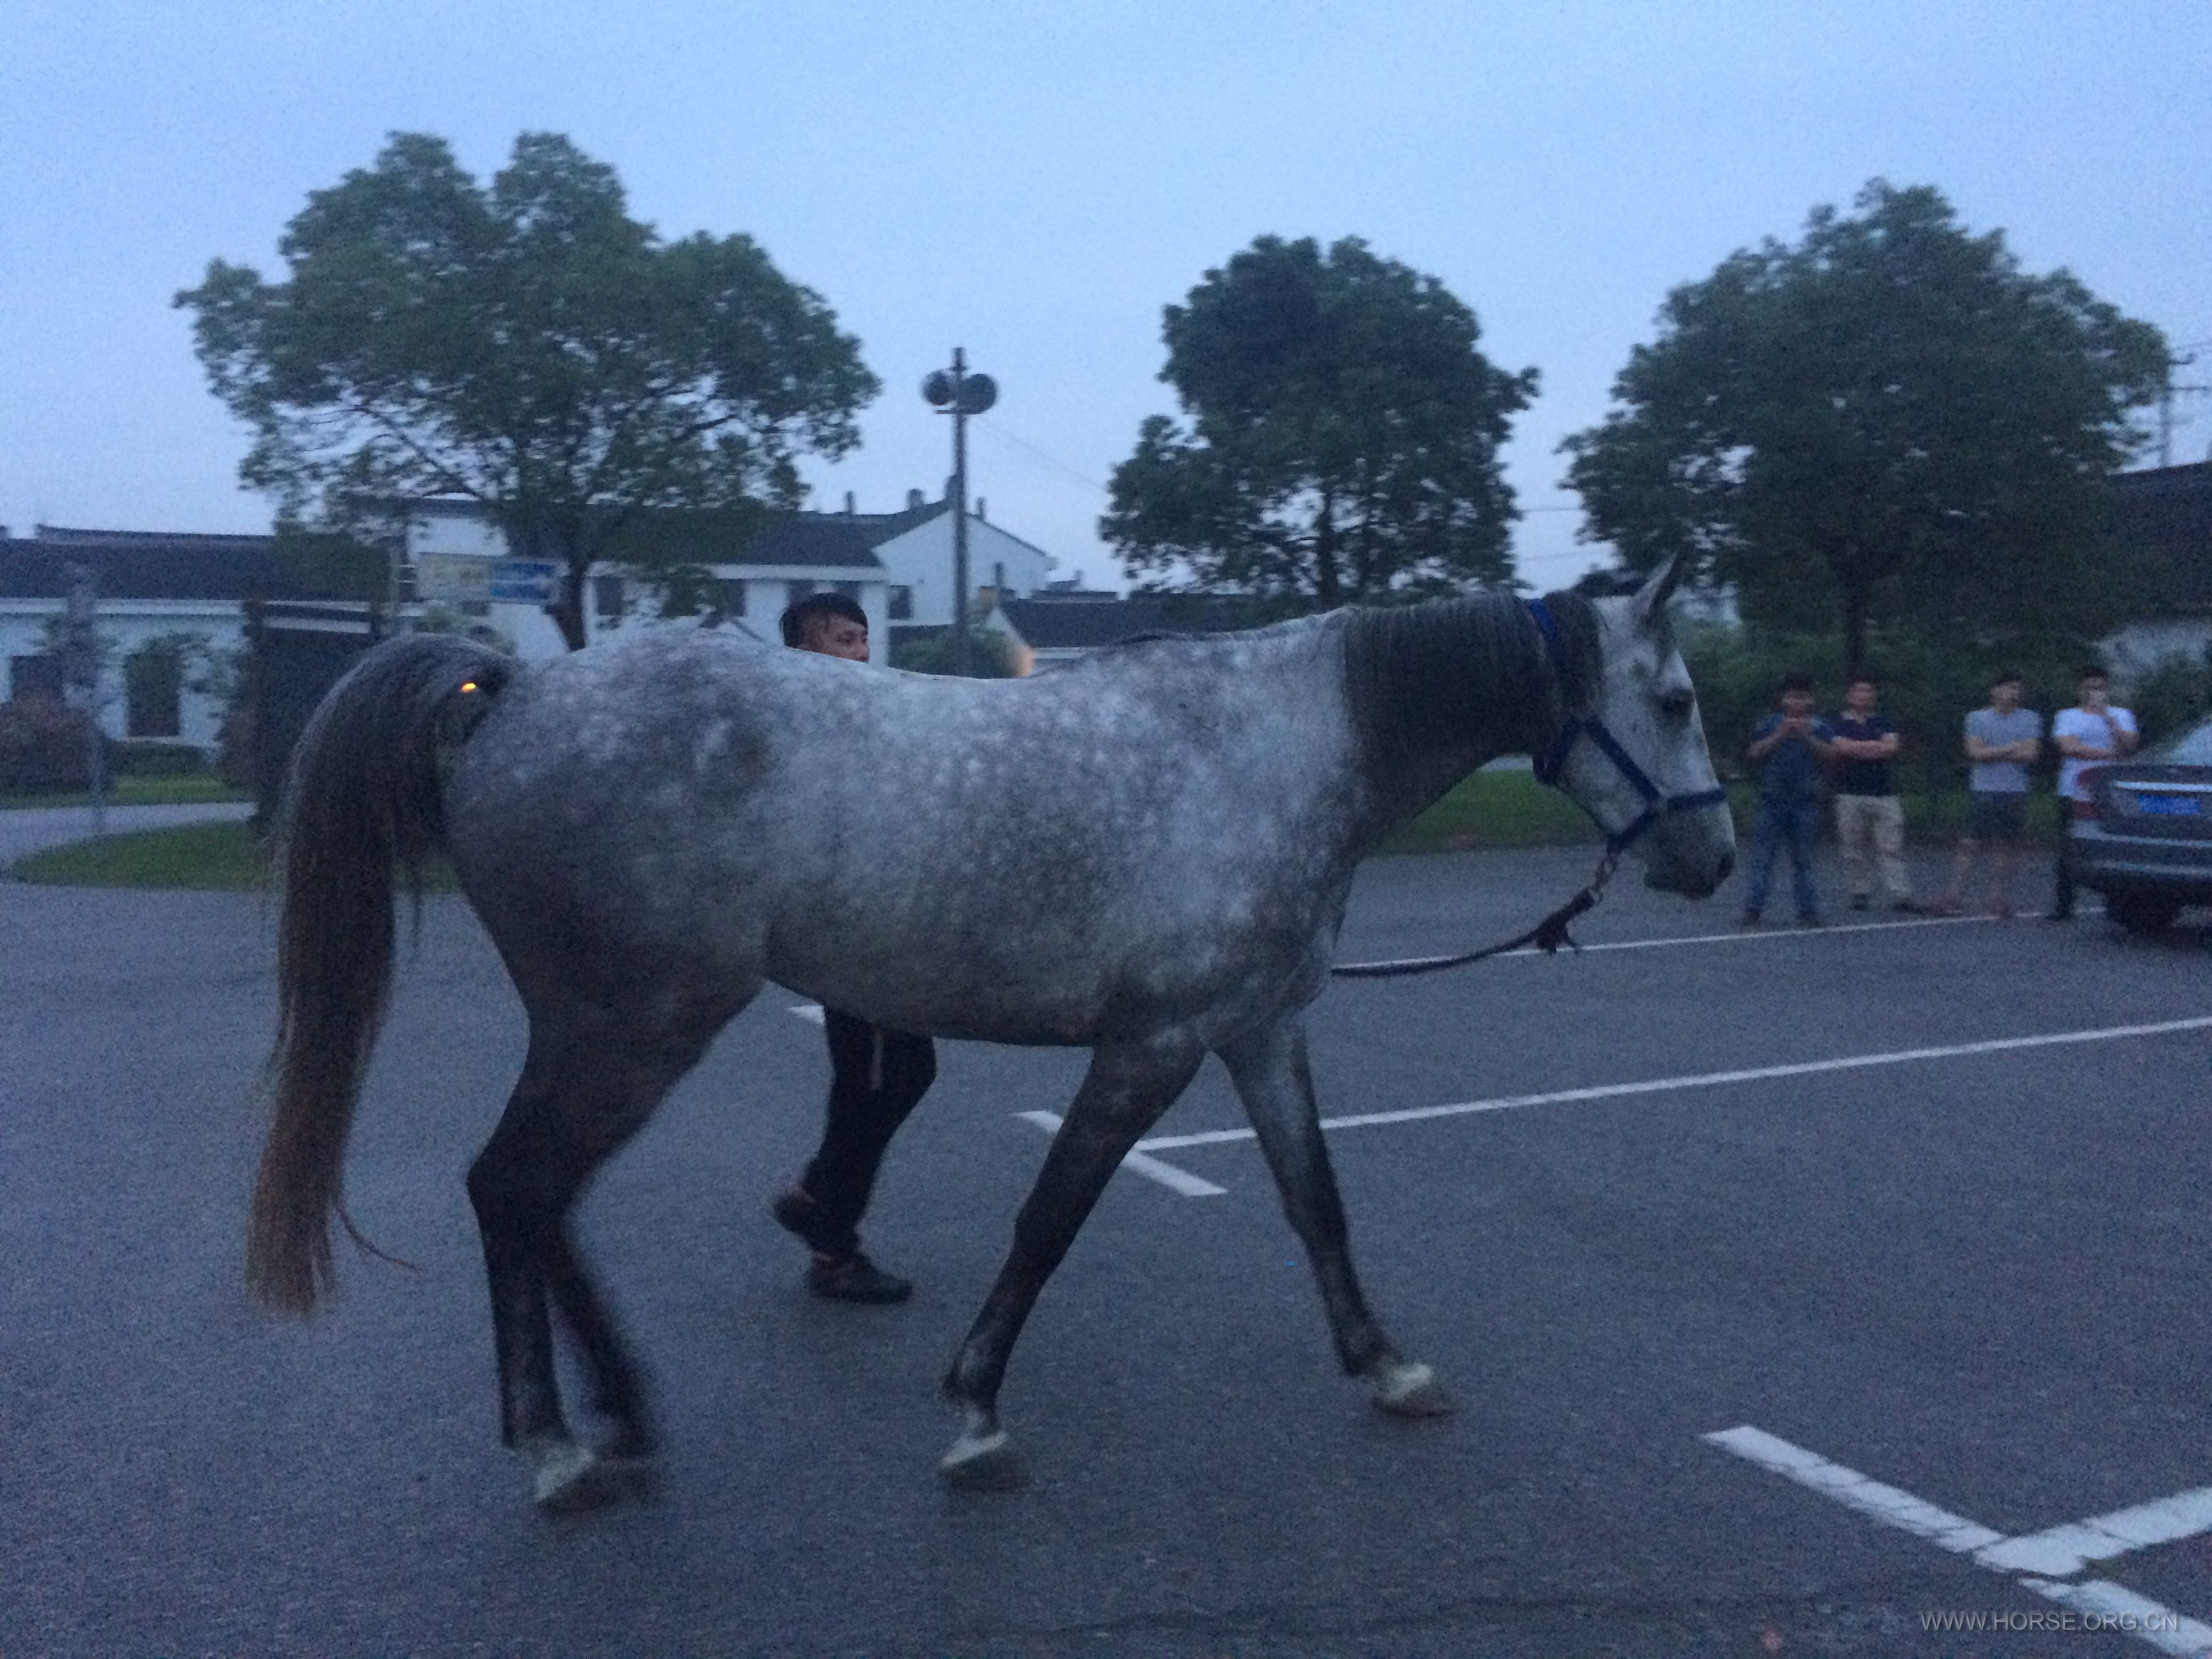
2116, 740
1765, 741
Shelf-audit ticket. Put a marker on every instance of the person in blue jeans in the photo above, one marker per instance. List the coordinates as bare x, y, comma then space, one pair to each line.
1788, 746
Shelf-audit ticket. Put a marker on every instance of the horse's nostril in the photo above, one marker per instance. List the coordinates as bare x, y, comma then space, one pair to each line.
1728, 863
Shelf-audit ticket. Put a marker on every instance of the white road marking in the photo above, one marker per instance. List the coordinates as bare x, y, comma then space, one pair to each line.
1702, 1081
2064, 1551
809, 1011
1749, 935
2153, 1621
1855, 1490
2146, 1524
1139, 1162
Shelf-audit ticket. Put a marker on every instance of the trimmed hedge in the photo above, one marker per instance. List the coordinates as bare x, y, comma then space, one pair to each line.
46, 745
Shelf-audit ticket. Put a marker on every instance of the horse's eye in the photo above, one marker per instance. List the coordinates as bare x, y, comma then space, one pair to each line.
1677, 705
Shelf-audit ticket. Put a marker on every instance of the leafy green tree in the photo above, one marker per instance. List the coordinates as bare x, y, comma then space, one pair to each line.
1342, 436
1888, 419
529, 346
989, 655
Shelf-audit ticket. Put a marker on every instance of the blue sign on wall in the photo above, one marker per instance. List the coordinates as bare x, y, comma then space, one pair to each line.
523, 581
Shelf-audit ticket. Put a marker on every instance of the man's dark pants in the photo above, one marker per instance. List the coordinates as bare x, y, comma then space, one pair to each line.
876, 1077
1795, 825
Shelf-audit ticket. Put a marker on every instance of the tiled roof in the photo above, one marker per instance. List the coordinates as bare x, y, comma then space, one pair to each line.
2167, 511
1086, 624
130, 564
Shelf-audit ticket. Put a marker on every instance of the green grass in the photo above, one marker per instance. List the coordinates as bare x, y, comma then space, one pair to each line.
223, 856
134, 791
1495, 809
220, 855
1488, 810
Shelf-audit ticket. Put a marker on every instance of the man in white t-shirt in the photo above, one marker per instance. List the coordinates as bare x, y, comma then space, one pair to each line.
2091, 733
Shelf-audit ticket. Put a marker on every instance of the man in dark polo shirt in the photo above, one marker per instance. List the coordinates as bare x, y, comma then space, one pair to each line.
1868, 815
1787, 748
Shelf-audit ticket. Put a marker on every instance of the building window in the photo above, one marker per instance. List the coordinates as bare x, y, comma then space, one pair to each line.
733, 596
795, 592
850, 590
153, 691
901, 603
607, 598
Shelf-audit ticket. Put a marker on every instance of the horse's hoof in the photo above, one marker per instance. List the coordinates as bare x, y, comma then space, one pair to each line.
982, 1462
572, 1478
1409, 1388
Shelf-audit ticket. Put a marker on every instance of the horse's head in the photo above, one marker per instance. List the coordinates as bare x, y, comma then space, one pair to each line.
1635, 758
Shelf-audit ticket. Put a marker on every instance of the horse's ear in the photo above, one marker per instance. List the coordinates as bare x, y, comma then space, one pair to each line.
1651, 598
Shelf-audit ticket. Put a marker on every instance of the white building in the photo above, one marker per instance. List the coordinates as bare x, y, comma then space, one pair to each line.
897, 565
915, 547
743, 576
170, 608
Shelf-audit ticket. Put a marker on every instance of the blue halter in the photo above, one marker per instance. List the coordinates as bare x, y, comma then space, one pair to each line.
1553, 760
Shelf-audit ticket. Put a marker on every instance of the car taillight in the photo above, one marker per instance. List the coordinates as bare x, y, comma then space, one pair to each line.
2084, 809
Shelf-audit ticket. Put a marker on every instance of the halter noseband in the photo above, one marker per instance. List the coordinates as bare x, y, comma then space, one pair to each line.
1553, 760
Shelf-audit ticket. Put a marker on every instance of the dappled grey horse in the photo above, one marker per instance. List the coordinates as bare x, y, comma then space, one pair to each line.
1146, 854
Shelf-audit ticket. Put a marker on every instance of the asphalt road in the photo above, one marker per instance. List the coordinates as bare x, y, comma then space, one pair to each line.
27, 829
1977, 1279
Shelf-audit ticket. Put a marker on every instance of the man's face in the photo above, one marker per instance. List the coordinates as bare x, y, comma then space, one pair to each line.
836, 636
2095, 688
2004, 696
1859, 697
1796, 704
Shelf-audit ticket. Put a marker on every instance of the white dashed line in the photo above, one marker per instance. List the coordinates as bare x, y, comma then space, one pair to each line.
2054, 1552
1702, 1080
1141, 1163
1750, 935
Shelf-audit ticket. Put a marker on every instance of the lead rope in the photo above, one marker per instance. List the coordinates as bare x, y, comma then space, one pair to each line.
1547, 935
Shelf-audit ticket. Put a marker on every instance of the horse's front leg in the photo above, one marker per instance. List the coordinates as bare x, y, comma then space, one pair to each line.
1127, 1089
1274, 1080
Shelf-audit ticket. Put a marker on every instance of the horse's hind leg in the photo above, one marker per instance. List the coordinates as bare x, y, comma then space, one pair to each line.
1275, 1083
589, 1084
1127, 1089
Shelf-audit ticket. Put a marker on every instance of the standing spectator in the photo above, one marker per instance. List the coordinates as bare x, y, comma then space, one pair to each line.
2002, 741
1787, 748
1868, 810
2088, 734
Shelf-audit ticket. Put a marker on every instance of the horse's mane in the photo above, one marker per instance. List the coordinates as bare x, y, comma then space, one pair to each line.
1474, 669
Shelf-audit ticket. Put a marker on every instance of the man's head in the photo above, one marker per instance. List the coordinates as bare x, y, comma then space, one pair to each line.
829, 624
1860, 695
1797, 696
2005, 690
2096, 685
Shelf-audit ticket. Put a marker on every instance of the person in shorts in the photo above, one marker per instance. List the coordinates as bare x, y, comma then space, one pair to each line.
2089, 734
1869, 817
2002, 742
1789, 748
876, 1076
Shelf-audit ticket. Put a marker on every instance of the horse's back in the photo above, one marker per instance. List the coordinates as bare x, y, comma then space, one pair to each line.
984, 857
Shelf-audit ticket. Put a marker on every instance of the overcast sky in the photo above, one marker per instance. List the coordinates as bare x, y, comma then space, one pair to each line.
1034, 182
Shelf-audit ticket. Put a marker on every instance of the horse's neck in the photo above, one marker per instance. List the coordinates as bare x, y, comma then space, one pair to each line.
1437, 692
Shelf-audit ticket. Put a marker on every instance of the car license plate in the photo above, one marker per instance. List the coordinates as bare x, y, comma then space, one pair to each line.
2168, 806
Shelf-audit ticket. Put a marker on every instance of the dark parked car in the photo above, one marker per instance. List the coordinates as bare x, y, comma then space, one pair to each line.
2144, 840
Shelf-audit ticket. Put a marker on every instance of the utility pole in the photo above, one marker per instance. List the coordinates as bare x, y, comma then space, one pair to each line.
960, 394
81, 666
2166, 420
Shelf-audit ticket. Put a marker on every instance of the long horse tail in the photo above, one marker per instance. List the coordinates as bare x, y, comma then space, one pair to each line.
363, 797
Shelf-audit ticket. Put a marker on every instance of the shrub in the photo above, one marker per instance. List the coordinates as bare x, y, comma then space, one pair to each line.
45, 746
162, 760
